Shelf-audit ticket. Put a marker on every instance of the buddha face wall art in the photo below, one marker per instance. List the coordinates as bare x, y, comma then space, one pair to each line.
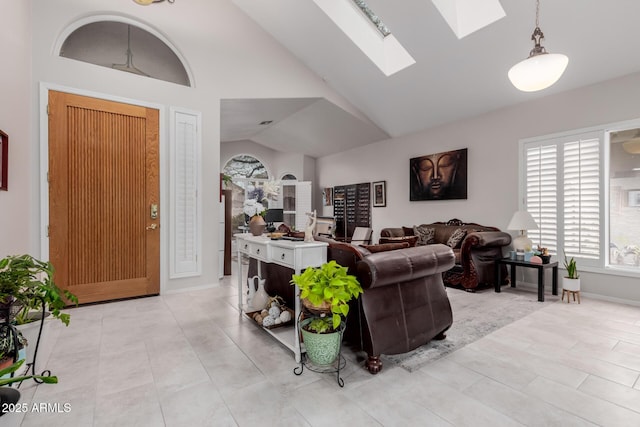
440, 176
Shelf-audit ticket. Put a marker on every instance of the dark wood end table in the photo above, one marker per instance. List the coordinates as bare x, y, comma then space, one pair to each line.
540, 267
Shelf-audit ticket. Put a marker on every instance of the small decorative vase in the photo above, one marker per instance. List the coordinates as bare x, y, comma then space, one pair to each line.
257, 225
260, 297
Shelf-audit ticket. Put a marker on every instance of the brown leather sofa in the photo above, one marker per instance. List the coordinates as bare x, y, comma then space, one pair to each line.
475, 255
404, 304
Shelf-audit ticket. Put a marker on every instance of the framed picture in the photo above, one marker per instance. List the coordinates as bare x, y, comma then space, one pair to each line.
440, 176
634, 198
379, 194
4, 160
327, 196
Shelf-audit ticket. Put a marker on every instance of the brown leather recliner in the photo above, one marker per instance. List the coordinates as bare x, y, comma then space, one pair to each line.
404, 304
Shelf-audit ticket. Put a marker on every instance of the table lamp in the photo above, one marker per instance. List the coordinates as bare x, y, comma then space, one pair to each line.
522, 221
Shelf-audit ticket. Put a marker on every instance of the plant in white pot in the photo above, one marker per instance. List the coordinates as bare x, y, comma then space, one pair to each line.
326, 292
571, 282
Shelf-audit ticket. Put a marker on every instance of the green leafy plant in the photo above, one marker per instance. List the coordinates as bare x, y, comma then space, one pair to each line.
29, 283
321, 325
227, 180
331, 285
15, 367
8, 342
572, 269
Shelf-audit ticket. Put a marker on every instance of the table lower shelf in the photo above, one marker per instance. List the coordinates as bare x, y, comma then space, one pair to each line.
283, 334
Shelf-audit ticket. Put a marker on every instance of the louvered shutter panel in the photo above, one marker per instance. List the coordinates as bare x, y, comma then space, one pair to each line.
303, 204
582, 198
185, 241
541, 163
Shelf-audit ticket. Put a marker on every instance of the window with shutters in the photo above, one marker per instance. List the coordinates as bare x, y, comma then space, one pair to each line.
583, 190
562, 192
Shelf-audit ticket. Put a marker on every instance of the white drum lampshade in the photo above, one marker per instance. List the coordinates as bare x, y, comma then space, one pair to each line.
522, 221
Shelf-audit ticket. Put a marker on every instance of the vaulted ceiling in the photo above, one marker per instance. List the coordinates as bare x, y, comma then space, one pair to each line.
452, 78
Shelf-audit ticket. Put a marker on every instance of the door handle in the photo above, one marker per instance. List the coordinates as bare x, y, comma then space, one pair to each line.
152, 226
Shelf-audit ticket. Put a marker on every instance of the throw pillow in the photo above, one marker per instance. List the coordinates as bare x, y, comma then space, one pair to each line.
383, 247
426, 235
456, 238
408, 231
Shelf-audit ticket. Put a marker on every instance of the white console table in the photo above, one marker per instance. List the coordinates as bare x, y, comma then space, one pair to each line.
292, 254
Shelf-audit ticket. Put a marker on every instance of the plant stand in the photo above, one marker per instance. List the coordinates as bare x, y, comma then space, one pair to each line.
333, 368
569, 293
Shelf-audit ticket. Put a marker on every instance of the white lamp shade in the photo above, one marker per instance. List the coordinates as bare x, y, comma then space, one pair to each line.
538, 72
522, 220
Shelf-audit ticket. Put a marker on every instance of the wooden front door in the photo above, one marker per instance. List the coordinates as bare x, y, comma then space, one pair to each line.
104, 197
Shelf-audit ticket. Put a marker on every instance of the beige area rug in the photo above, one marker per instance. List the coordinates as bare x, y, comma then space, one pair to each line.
475, 315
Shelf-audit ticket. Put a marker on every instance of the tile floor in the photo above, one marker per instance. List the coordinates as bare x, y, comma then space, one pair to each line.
190, 360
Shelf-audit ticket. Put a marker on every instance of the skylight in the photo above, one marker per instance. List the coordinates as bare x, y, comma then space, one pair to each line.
466, 16
356, 19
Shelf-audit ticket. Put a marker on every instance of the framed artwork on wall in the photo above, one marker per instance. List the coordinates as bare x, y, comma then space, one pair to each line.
379, 194
4, 160
327, 196
440, 176
634, 198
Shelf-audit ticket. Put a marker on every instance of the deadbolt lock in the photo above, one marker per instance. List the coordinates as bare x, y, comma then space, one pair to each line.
154, 211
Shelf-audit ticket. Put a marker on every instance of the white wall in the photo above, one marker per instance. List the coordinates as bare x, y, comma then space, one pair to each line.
492, 140
15, 94
229, 55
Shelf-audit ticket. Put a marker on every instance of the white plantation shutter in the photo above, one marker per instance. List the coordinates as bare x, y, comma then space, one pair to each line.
541, 183
582, 198
185, 203
303, 204
562, 192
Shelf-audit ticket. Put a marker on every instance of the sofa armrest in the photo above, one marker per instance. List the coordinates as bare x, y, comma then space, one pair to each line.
392, 232
402, 265
479, 239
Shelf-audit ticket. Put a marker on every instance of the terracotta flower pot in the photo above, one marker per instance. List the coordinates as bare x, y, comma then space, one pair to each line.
257, 225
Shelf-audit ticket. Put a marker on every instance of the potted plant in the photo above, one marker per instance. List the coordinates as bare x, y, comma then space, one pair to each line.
12, 346
28, 290
28, 282
570, 282
325, 291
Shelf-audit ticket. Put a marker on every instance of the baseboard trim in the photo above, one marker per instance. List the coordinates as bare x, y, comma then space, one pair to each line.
191, 289
534, 287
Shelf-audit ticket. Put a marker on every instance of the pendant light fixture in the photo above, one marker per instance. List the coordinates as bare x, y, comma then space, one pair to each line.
541, 69
128, 66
